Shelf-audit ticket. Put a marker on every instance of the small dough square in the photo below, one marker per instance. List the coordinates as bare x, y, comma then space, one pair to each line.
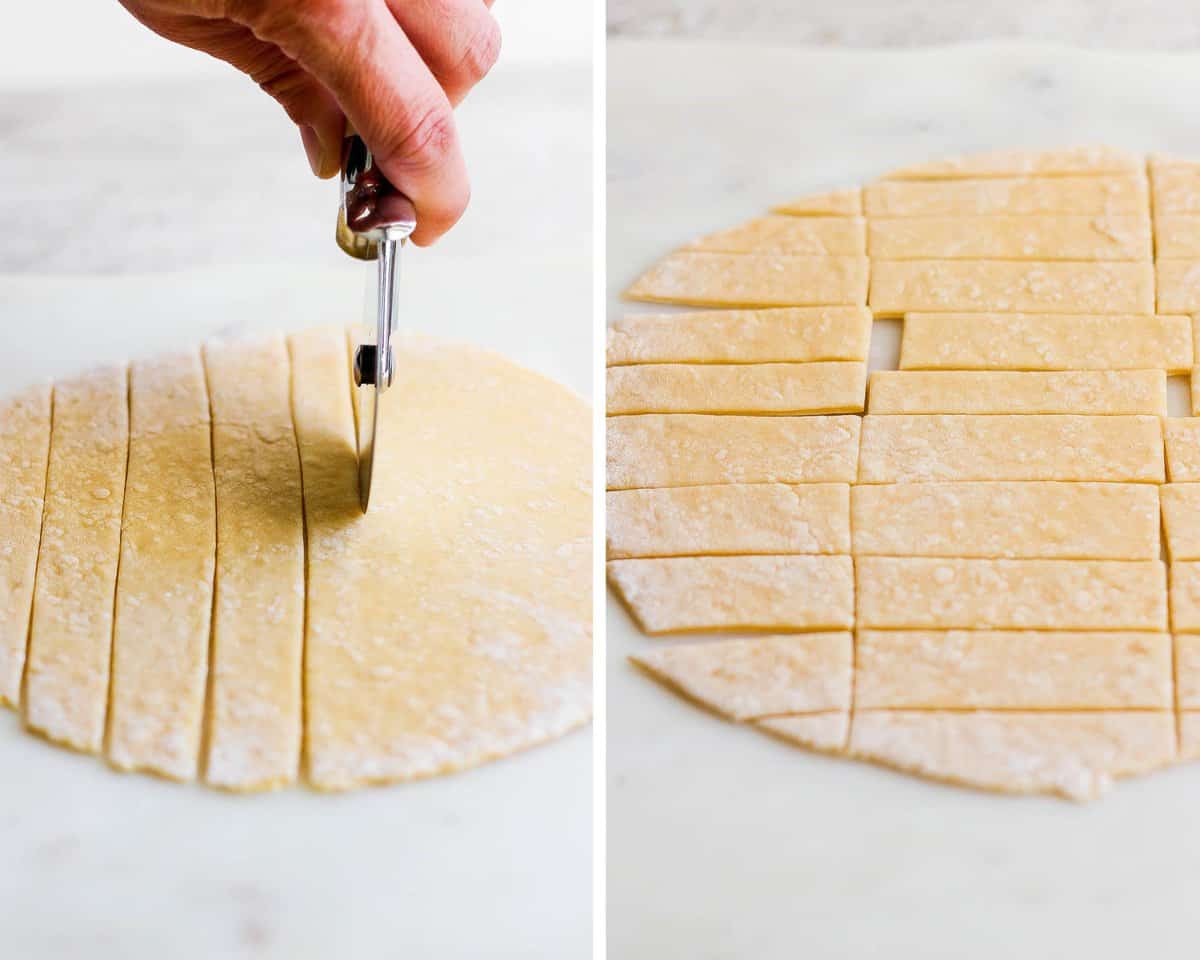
753, 280
678, 450
1069, 161
900, 448
693, 594
1177, 236
918, 593
793, 236
833, 203
761, 676
1182, 440
1046, 342
787, 334
768, 388
1007, 520
1124, 237
1094, 392
1176, 188
1178, 286
1185, 596
1092, 196
724, 519
904, 286
1072, 755
1012, 670
1181, 519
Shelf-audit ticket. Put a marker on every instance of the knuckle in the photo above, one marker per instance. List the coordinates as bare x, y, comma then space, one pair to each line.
480, 52
432, 137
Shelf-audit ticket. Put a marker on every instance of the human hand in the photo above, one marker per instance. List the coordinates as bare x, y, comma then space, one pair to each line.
394, 68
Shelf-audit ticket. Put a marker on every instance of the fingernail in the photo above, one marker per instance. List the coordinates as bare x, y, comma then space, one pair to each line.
312, 148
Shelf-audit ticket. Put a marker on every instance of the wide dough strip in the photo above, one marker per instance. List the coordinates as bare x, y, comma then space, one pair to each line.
716, 519
1007, 520
1066, 162
916, 593
769, 388
1125, 237
450, 625
793, 236
164, 600
255, 712
1092, 392
901, 448
673, 450
1093, 196
689, 594
904, 286
70, 640
24, 449
784, 334
1012, 670
752, 280
974, 341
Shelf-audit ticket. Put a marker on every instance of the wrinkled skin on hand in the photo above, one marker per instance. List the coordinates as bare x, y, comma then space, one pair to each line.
394, 69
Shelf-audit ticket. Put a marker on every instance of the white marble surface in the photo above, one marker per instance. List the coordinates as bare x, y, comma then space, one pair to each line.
724, 843
1146, 24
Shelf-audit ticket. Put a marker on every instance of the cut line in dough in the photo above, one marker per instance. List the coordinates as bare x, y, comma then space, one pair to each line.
785, 334
756, 388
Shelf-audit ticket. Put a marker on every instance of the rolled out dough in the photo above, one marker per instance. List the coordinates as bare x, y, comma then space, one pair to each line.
1125, 237
1187, 670
70, 638
673, 450
968, 447
1092, 196
1033, 342
759, 677
785, 334
1175, 188
1177, 236
824, 732
794, 236
1185, 596
1071, 161
753, 280
921, 593
1007, 520
1181, 437
783, 388
688, 594
1178, 286
906, 286
1097, 392
24, 449
1181, 520
720, 519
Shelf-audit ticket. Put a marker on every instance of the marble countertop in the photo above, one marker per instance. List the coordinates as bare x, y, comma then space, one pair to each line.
1149, 24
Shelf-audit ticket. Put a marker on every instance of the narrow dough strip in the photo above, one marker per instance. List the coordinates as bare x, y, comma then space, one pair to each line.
1185, 596
1177, 236
824, 732
1012, 670
1181, 520
70, 640
904, 286
729, 519
1194, 384
1182, 441
1124, 237
1007, 520
833, 203
1095, 392
691, 594
1187, 671
676, 450
255, 709
1178, 286
1110, 196
1046, 342
793, 236
1073, 755
451, 625
777, 388
759, 677
1070, 161
753, 280
786, 334
164, 602
24, 448
901, 448
921, 593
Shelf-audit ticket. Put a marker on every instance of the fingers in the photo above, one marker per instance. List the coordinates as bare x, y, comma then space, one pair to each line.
359, 53
459, 40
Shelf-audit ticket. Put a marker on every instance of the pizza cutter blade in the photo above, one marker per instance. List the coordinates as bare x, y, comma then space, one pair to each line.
375, 220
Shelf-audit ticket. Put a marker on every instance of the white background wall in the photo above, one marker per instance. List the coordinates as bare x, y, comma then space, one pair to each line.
52, 43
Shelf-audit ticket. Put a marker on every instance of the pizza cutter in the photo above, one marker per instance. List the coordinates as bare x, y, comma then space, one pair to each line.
374, 222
